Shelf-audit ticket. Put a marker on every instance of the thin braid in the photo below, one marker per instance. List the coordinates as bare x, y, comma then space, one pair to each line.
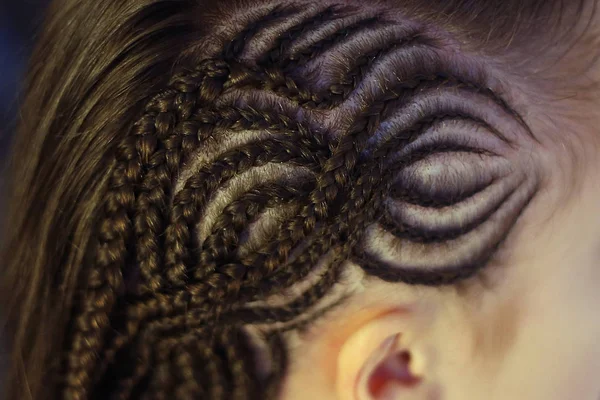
241, 364
294, 309
218, 363
150, 203
318, 244
363, 128
188, 386
333, 175
225, 233
275, 55
155, 189
300, 57
217, 383
234, 48
190, 201
346, 83
106, 279
279, 82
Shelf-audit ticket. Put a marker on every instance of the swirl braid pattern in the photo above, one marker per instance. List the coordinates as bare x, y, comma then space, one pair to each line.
196, 242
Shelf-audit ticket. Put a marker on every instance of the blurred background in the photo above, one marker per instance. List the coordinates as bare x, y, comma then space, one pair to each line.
19, 22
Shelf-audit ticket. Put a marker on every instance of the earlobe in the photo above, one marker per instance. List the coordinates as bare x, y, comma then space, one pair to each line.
382, 359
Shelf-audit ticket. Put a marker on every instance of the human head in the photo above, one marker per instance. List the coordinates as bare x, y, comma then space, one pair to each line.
310, 199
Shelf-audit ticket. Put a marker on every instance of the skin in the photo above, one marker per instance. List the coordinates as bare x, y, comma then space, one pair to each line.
524, 328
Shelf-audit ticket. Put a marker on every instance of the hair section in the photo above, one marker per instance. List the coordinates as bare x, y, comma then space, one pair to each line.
171, 193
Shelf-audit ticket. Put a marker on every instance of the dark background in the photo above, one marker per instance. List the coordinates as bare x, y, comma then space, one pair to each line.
19, 22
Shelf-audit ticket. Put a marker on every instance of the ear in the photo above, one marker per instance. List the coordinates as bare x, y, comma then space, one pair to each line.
388, 357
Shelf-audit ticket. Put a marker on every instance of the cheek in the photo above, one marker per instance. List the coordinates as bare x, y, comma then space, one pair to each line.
556, 353
535, 335
495, 331
540, 339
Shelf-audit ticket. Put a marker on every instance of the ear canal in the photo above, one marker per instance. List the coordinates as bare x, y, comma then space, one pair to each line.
388, 368
394, 369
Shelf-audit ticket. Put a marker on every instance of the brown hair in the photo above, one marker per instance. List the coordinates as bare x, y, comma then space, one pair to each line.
113, 283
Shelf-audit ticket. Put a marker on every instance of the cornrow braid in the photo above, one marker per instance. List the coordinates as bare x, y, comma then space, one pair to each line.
191, 199
346, 83
186, 265
111, 251
299, 57
274, 57
234, 48
226, 231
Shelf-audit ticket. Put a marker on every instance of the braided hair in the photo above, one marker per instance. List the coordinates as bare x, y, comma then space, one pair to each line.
258, 170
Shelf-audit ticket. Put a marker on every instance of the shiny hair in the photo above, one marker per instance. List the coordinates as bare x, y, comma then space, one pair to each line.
189, 179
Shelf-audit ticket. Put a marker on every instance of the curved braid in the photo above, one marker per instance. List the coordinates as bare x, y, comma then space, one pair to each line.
190, 201
301, 57
275, 56
346, 82
226, 231
353, 213
271, 71
234, 48
294, 309
335, 174
361, 193
280, 83
297, 229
